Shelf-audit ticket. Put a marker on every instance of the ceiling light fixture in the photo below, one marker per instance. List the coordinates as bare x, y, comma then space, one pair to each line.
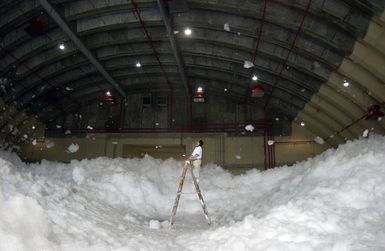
346, 83
62, 46
225, 89
187, 31
199, 89
255, 77
108, 93
302, 124
138, 64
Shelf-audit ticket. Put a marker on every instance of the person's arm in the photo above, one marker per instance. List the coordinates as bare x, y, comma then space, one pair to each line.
194, 155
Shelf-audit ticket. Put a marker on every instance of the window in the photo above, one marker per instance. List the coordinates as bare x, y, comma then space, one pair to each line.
146, 101
162, 101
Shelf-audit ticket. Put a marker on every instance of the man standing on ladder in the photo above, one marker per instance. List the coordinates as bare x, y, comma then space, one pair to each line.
196, 158
194, 167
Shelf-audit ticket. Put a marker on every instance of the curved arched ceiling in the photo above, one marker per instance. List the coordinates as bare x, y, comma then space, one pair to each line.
343, 107
301, 50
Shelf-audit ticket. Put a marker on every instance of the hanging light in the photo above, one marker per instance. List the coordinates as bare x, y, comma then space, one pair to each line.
138, 64
33, 127
108, 93
225, 89
302, 123
257, 91
62, 46
187, 31
198, 95
346, 83
255, 77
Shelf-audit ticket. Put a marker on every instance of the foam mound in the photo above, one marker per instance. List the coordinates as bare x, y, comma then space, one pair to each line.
334, 201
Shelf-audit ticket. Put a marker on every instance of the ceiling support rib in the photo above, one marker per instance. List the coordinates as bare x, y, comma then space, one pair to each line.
174, 46
306, 12
75, 39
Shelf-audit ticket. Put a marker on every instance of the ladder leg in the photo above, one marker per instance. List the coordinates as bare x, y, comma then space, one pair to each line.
178, 194
198, 190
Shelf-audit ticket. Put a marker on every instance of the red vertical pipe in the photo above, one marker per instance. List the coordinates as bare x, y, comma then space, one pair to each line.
170, 111
306, 12
264, 146
63, 124
155, 53
268, 150
268, 147
273, 150
121, 117
255, 55
271, 157
189, 113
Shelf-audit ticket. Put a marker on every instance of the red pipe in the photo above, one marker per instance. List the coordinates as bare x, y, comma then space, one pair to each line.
306, 12
346, 127
170, 112
122, 113
189, 112
272, 148
155, 53
260, 31
273, 155
195, 128
264, 148
351, 124
295, 142
255, 55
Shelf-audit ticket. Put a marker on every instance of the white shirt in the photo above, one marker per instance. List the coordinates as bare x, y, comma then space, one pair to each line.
197, 153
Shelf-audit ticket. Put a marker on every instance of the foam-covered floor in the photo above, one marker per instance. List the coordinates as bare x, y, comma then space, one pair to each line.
335, 201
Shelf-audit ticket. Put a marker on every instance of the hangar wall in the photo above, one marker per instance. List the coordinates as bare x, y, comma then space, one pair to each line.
134, 113
227, 151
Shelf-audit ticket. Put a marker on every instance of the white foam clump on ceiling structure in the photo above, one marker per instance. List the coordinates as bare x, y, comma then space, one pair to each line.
319, 140
248, 64
249, 128
226, 27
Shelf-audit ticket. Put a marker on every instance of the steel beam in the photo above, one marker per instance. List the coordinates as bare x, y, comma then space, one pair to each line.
174, 46
75, 39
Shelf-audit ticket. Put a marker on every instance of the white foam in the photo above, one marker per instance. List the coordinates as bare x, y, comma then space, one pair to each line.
324, 203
